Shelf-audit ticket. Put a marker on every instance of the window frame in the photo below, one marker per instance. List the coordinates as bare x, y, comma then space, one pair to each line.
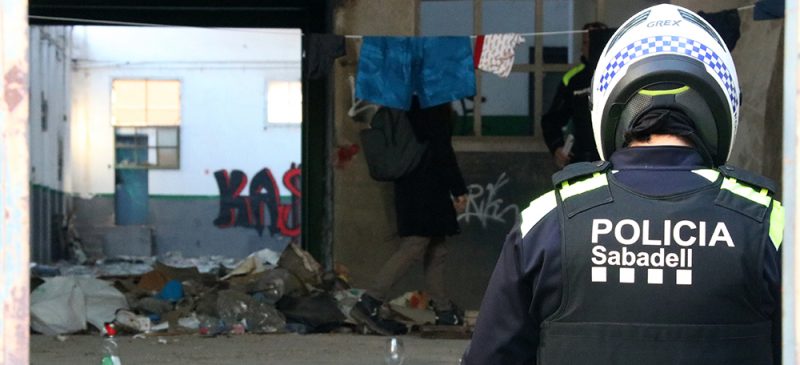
156, 127
148, 148
535, 143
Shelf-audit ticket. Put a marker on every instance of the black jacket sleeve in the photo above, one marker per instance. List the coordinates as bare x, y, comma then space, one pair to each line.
524, 289
557, 117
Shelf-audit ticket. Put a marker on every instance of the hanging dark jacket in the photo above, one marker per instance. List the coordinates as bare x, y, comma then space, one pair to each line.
423, 202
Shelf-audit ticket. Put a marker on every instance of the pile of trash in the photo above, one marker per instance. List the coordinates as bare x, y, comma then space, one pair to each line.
267, 292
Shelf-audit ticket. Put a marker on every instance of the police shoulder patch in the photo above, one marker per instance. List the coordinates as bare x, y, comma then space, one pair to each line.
578, 170
749, 178
745, 192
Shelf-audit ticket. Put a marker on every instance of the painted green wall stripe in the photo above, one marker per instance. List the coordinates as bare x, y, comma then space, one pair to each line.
285, 199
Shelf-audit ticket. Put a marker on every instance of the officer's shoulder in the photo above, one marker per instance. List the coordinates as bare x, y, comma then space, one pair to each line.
746, 193
572, 72
579, 171
750, 179
537, 209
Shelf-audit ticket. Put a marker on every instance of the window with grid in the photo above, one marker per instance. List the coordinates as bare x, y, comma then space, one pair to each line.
506, 113
146, 115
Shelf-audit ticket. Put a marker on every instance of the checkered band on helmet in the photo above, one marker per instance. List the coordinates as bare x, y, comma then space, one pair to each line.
671, 44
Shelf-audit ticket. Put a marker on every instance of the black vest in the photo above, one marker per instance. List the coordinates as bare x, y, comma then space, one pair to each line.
667, 280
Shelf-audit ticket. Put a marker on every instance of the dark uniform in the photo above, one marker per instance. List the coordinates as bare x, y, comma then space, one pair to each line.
663, 261
571, 102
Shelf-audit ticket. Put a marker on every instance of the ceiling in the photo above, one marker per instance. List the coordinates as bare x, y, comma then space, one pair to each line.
206, 13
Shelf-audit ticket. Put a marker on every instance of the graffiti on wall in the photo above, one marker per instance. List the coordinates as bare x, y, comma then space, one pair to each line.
485, 206
262, 207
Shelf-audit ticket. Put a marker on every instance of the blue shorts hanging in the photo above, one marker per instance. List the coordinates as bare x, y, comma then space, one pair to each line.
437, 69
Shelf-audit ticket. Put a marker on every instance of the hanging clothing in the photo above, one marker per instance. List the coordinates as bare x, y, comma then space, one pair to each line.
495, 52
726, 23
769, 9
423, 203
321, 51
437, 69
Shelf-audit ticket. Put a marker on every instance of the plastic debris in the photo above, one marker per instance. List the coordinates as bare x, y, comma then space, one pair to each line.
65, 304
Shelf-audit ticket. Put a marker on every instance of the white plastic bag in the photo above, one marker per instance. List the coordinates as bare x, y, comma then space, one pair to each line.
58, 307
65, 304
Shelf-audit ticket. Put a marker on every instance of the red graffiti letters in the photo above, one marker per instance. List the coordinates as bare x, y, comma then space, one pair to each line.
263, 203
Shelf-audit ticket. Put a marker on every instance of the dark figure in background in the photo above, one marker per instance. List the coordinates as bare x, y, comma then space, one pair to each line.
660, 255
571, 102
427, 202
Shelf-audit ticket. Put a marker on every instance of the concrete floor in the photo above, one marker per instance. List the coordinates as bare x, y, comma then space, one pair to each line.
278, 349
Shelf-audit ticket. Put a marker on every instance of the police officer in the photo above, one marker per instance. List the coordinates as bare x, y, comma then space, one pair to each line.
571, 103
662, 254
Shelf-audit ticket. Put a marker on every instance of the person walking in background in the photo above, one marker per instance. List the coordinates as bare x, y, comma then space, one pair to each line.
427, 202
662, 254
571, 103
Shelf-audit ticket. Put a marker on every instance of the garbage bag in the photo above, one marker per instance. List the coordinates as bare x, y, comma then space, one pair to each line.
318, 312
234, 306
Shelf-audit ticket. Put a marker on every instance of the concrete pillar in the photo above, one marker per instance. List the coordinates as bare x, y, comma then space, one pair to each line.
364, 224
14, 187
791, 154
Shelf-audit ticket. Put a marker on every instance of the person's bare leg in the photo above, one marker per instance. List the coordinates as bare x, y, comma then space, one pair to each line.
410, 249
434, 263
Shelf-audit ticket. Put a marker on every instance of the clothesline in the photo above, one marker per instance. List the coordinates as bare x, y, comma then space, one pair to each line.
521, 34
349, 36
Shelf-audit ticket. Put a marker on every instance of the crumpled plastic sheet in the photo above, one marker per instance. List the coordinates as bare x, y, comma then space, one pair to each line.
65, 304
133, 266
204, 264
117, 266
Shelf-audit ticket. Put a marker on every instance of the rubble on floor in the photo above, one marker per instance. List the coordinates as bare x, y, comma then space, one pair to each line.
267, 292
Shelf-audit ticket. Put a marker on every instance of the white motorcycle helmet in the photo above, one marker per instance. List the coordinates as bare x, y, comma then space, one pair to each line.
666, 57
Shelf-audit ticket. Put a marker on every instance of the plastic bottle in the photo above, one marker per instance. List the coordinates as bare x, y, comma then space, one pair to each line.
395, 351
110, 347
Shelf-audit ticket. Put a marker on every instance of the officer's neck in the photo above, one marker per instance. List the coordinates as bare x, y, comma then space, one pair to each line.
662, 140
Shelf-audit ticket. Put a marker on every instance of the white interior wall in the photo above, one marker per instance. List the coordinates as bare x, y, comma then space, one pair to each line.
223, 76
49, 80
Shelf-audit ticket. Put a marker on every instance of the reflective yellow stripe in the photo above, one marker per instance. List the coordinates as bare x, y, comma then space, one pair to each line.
745, 191
594, 182
571, 73
710, 175
663, 92
536, 210
776, 221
